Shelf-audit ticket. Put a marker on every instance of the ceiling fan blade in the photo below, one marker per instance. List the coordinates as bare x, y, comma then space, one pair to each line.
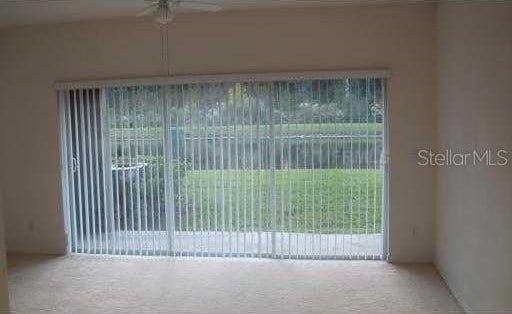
148, 10
198, 5
320, 1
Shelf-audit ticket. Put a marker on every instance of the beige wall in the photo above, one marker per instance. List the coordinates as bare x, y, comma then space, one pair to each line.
474, 204
399, 37
4, 295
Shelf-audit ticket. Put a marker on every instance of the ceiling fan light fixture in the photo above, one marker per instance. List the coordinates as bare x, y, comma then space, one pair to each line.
164, 11
165, 14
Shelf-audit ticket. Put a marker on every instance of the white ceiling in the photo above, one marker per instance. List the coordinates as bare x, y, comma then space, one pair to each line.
23, 12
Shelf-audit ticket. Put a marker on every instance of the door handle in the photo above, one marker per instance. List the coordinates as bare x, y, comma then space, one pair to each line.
74, 164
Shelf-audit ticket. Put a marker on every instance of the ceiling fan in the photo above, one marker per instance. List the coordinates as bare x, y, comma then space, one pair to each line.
165, 10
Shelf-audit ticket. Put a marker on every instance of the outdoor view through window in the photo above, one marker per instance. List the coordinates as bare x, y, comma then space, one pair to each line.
284, 169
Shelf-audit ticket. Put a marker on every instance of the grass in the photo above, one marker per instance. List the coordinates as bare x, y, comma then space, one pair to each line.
245, 130
321, 200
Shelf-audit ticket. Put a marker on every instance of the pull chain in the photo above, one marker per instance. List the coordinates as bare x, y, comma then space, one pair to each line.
168, 50
164, 43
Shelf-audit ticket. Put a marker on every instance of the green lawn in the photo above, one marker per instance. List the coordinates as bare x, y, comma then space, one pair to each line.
322, 200
245, 130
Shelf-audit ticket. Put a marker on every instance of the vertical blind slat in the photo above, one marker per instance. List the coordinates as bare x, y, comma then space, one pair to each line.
99, 207
84, 161
71, 172
64, 168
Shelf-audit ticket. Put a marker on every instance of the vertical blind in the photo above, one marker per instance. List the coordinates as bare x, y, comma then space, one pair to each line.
283, 169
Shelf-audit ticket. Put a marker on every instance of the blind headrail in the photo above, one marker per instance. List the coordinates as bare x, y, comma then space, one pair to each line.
223, 78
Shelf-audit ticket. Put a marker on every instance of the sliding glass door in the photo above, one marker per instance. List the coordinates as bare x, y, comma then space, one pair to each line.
284, 169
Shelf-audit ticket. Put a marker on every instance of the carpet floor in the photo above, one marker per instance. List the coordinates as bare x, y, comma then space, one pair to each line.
111, 284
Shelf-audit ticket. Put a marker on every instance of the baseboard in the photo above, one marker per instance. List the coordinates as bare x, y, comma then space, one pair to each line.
467, 309
32, 253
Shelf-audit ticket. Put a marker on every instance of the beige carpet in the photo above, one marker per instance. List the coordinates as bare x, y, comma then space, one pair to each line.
96, 284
